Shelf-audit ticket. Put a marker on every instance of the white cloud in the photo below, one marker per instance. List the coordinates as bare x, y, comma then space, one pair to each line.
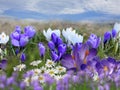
62, 6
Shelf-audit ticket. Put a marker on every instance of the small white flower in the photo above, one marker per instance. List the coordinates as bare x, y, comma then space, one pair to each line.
58, 77
27, 81
41, 78
51, 72
49, 63
61, 69
48, 33
34, 78
43, 69
4, 38
71, 36
37, 71
95, 77
35, 63
19, 67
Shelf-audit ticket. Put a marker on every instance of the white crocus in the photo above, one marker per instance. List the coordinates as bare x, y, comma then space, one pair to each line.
49, 63
71, 36
4, 38
19, 67
48, 33
117, 28
35, 63
60, 69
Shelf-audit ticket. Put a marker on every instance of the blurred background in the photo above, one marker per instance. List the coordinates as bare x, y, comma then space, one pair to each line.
88, 16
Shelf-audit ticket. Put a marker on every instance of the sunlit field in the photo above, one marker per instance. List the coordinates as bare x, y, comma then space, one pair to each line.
59, 55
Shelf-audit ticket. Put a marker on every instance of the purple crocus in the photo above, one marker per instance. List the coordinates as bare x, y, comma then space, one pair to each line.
62, 49
54, 37
93, 41
79, 58
114, 33
29, 31
3, 64
107, 36
54, 55
41, 49
18, 39
51, 45
23, 57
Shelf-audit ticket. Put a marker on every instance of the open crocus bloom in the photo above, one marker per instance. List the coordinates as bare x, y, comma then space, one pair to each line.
71, 36
49, 32
4, 38
80, 55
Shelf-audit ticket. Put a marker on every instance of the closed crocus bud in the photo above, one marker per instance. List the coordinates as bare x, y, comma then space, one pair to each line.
54, 37
59, 41
41, 49
107, 36
62, 48
51, 45
54, 55
30, 31
23, 57
114, 33
18, 29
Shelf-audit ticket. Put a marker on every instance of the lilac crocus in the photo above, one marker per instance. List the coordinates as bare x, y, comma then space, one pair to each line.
41, 49
54, 37
19, 40
114, 33
23, 57
3, 64
62, 49
51, 45
93, 41
54, 55
29, 31
107, 36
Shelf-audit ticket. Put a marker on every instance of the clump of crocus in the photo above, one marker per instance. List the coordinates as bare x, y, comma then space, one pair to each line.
57, 47
19, 39
71, 36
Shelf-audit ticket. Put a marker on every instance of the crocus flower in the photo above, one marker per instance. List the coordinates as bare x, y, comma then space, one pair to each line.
4, 38
78, 57
54, 55
54, 37
30, 31
107, 36
23, 57
93, 41
114, 33
41, 49
71, 36
117, 27
49, 32
62, 49
51, 45
3, 64
18, 39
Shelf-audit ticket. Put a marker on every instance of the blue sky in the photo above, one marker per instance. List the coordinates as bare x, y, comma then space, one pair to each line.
70, 10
